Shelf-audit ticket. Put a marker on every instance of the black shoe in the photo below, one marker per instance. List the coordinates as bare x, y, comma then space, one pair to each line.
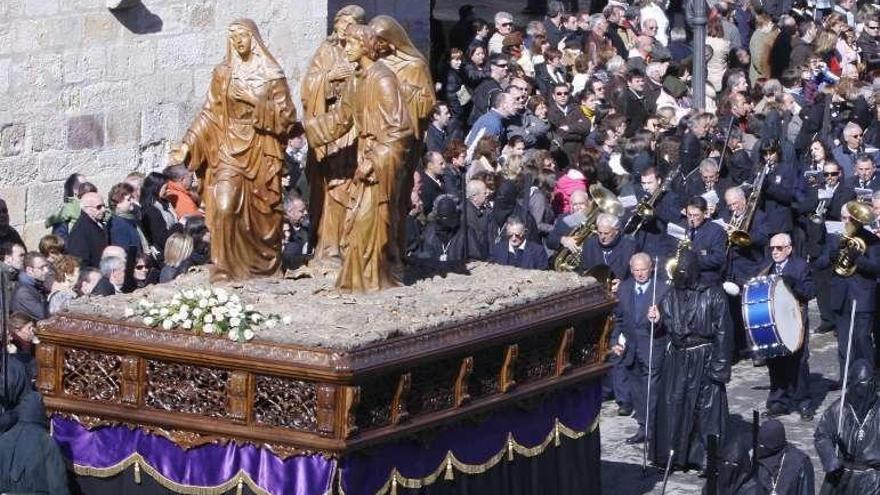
624, 411
775, 411
807, 414
639, 437
824, 328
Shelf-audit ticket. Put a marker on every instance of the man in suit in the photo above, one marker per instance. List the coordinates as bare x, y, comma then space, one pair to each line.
88, 237
865, 176
436, 136
789, 375
635, 296
431, 179
515, 250
632, 102
708, 241
608, 247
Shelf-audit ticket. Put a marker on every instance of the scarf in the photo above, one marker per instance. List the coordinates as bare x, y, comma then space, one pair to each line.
145, 245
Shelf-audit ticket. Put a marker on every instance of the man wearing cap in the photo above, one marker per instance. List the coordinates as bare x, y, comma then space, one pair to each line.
503, 27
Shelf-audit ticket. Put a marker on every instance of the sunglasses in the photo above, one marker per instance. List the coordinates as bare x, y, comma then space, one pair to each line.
518, 235
872, 27
140, 267
562, 93
507, 24
830, 174
778, 248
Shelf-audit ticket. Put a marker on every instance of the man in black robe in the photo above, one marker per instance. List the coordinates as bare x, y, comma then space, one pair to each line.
691, 395
851, 456
734, 468
783, 469
30, 461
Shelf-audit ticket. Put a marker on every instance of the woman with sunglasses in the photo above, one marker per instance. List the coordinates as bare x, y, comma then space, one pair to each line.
144, 272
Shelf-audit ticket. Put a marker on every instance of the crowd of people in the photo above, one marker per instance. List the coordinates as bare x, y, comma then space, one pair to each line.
579, 133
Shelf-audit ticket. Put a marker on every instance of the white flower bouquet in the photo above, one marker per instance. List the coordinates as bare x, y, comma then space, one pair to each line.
205, 311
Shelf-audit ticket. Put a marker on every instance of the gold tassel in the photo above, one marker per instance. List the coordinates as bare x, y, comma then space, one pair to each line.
556, 441
450, 474
394, 483
239, 489
510, 448
137, 472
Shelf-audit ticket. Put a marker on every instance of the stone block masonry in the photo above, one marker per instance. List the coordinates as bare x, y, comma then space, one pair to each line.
86, 89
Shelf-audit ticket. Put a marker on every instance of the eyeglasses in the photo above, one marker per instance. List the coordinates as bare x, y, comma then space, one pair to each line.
500, 66
830, 174
872, 27
562, 93
856, 136
140, 267
507, 24
778, 248
518, 235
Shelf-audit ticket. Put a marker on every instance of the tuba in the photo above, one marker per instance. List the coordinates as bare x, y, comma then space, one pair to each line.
671, 266
603, 201
851, 245
739, 235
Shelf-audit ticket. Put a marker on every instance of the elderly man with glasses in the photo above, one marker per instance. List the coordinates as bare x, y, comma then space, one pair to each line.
789, 375
88, 237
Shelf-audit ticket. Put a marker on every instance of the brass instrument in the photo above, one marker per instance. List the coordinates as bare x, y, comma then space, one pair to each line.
672, 265
645, 209
818, 216
603, 201
739, 235
851, 246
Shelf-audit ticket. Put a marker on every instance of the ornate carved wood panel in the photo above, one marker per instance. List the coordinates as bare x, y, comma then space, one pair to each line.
47, 355
188, 389
286, 403
92, 375
131, 380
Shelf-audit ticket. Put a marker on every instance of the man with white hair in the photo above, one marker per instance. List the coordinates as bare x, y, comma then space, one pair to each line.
608, 247
112, 276
852, 144
516, 250
706, 181
789, 375
634, 296
503, 27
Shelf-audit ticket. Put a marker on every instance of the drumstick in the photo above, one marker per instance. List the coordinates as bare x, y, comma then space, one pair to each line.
650, 369
852, 320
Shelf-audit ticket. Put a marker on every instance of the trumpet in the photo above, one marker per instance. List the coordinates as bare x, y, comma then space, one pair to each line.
818, 216
851, 246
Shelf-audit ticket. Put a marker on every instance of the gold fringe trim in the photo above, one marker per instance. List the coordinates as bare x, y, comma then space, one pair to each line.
511, 446
237, 482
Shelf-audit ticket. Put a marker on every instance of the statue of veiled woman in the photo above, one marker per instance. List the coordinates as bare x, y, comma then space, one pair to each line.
236, 144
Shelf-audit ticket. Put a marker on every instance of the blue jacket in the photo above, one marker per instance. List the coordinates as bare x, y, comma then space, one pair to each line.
710, 244
493, 122
861, 287
615, 256
778, 196
631, 319
531, 256
797, 276
29, 298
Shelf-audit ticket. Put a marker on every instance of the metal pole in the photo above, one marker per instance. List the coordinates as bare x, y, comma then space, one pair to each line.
852, 321
699, 29
667, 471
650, 370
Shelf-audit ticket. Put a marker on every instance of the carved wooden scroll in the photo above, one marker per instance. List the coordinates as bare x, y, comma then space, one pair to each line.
398, 404
131, 380
563, 352
506, 378
461, 381
48, 366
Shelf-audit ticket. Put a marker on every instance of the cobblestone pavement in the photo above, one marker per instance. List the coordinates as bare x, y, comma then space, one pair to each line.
747, 390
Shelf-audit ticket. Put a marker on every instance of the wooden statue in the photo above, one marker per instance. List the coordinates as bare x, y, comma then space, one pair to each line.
236, 145
331, 166
374, 107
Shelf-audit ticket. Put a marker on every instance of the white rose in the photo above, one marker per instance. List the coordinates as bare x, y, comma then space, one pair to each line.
187, 324
167, 324
248, 335
164, 311
129, 312
287, 320
209, 318
184, 309
189, 294
212, 301
144, 303
249, 307
203, 303
148, 321
222, 298
234, 298
208, 328
270, 323
198, 312
235, 322
154, 311
233, 335
255, 317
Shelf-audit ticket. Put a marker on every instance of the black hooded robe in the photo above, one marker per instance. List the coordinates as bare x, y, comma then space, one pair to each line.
692, 399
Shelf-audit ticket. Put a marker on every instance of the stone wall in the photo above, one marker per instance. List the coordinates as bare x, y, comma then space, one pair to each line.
102, 92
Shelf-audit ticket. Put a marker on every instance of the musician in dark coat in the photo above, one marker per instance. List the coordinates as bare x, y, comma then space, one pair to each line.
516, 250
652, 237
631, 320
708, 240
864, 173
860, 289
692, 398
778, 188
790, 375
851, 455
608, 247
565, 225
783, 469
708, 179
693, 149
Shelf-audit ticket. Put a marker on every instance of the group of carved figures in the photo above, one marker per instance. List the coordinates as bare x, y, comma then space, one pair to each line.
365, 98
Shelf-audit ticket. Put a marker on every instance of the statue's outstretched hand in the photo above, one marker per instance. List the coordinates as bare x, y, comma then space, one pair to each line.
178, 154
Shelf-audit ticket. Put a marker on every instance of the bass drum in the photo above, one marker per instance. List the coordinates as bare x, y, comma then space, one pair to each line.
772, 317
